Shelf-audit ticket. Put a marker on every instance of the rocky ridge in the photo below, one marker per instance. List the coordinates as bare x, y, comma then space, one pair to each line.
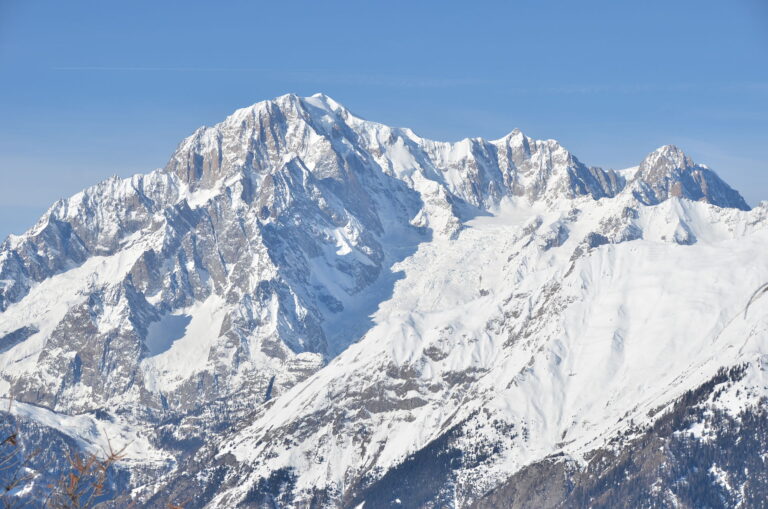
308, 299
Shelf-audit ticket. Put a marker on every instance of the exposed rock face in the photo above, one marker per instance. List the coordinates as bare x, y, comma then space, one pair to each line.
304, 307
668, 172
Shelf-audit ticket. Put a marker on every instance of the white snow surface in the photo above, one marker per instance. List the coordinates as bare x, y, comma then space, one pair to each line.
99, 437
561, 310
631, 327
181, 342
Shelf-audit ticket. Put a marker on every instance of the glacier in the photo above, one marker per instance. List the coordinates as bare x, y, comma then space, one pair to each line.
304, 308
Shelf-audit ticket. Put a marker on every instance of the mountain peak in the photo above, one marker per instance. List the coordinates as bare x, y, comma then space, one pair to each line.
669, 172
666, 157
514, 133
326, 99
321, 130
484, 293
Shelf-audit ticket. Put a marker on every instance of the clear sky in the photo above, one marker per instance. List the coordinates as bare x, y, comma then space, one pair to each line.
93, 89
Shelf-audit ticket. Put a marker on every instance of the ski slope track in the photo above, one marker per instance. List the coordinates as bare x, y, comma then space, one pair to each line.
304, 308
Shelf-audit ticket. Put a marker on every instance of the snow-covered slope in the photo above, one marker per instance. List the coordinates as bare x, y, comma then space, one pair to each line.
532, 337
310, 299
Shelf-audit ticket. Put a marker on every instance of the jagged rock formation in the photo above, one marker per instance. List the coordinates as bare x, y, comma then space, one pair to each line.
304, 307
668, 172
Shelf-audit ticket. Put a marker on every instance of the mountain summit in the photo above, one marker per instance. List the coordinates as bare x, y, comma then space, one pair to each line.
668, 172
306, 308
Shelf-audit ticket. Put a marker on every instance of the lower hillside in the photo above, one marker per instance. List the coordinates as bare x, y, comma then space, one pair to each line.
694, 456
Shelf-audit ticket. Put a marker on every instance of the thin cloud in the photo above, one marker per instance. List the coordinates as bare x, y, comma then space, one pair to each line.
310, 76
642, 88
325, 77
97, 68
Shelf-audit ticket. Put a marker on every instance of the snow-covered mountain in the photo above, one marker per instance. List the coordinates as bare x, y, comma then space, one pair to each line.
308, 309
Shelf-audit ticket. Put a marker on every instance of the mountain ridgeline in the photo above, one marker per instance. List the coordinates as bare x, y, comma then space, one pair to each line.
308, 309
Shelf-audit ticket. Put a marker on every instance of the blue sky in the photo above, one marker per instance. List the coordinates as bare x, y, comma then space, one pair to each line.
93, 89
